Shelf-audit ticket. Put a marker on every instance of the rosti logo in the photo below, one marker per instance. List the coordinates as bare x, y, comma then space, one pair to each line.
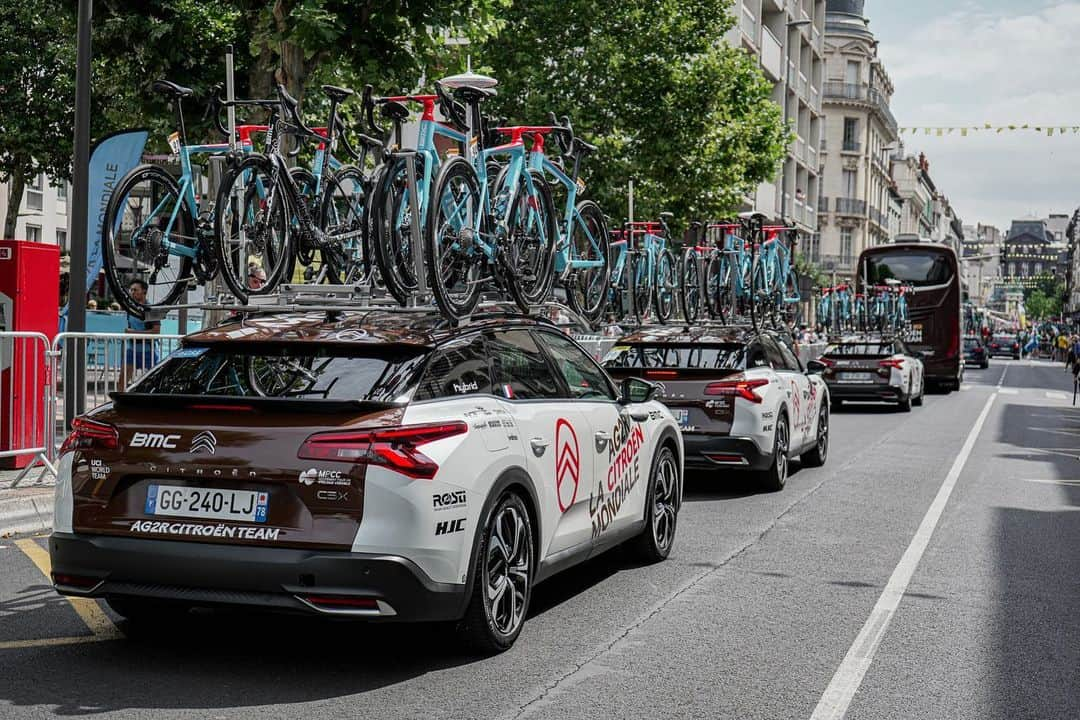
567, 464
154, 440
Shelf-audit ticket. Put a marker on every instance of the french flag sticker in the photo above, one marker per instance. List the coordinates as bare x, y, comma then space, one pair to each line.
508, 392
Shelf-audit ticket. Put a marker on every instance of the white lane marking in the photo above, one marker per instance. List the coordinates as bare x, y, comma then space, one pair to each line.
1073, 483
1004, 370
849, 676
1056, 395
965, 386
1008, 391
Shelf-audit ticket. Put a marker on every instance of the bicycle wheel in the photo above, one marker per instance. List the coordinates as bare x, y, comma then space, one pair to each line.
530, 247
392, 229
451, 256
715, 273
252, 227
790, 297
133, 234
587, 287
691, 285
341, 219
640, 287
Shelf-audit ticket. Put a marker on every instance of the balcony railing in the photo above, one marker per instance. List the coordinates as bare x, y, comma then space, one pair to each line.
878, 217
749, 26
850, 206
852, 146
840, 263
823, 204
862, 93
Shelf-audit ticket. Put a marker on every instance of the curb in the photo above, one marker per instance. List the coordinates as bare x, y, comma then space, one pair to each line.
29, 513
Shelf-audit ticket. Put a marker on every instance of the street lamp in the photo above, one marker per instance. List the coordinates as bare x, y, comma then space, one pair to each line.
786, 70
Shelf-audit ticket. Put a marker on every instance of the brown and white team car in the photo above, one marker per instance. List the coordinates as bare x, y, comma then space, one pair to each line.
375, 465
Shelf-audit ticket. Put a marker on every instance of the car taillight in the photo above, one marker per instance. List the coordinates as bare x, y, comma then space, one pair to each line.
89, 434
395, 448
737, 387
662, 374
994, 345
892, 363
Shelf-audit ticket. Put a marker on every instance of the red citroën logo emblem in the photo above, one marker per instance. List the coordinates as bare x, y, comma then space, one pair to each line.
567, 464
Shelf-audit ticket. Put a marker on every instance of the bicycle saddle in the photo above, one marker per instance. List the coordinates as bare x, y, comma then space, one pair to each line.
170, 88
471, 95
394, 110
337, 93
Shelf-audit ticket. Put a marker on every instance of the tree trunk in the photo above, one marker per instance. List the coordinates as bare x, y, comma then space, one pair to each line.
15, 188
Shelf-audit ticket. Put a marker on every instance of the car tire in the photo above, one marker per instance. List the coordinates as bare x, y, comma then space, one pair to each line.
774, 478
141, 610
986, 364
493, 622
817, 456
905, 402
661, 509
918, 401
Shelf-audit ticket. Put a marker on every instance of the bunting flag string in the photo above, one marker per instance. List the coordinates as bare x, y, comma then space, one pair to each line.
965, 131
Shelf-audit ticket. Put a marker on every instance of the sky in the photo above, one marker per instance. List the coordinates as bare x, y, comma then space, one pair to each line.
971, 62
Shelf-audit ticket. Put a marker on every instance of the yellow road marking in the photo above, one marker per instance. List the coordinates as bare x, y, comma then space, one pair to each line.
47, 642
88, 610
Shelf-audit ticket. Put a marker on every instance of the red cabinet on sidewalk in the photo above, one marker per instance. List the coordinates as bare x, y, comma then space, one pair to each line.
29, 302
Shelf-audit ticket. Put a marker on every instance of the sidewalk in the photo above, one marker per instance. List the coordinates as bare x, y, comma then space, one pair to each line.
27, 508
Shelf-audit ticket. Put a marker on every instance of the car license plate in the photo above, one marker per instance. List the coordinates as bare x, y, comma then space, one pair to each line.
682, 416
212, 503
850, 377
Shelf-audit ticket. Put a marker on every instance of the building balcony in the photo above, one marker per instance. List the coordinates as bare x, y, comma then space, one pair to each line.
840, 264
772, 55
858, 92
851, 206
851, 146
823, 204
876, 216
749, 26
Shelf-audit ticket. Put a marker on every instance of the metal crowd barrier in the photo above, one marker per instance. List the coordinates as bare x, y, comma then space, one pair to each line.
113, 361
25, 392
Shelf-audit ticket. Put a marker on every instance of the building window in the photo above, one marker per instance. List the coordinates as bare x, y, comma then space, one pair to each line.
61, 239
851, 134
1038, 268
851, 181
853, 72
846, 245
33, 233
62, 190
33, 192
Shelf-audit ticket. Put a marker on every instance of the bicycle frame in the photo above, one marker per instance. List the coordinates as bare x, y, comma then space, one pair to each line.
564, 259
776, 266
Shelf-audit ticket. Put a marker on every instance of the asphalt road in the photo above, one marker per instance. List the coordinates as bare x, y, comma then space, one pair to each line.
959, 605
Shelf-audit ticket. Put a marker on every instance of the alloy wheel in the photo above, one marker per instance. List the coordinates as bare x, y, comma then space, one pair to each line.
509, 563
664, 501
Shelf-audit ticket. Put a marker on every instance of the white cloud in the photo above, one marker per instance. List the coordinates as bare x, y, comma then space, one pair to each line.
979, 64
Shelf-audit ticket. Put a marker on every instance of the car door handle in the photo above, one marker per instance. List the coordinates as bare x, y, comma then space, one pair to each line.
602, 439
539, 445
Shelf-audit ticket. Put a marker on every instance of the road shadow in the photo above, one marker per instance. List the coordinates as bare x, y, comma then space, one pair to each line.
852, 407
1036, 670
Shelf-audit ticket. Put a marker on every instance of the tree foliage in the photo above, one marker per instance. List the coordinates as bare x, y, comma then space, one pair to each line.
653, 84
36, 91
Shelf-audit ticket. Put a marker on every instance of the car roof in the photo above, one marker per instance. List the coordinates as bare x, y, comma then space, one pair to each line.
420, 330
674, 334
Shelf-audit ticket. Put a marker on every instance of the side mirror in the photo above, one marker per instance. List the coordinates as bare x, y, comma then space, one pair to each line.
918, 354
815, 367
636, 390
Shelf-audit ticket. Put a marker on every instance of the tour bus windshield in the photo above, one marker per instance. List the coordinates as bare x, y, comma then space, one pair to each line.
911, 268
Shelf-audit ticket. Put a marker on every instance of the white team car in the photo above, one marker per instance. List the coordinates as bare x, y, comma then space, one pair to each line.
742, 398
371, 465
873, 369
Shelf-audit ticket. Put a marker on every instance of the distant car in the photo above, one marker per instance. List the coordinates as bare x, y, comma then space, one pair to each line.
868, 369
975, 353
742, 398
1006, 345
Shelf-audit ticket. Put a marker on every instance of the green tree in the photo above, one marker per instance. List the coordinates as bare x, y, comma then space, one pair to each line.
652, 83
36, 88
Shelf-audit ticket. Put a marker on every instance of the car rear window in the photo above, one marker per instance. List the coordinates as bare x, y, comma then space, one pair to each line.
683, 357
301, 371
850, 349
971, 342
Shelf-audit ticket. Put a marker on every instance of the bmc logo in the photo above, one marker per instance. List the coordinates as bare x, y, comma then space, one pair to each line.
154, 440
450, 526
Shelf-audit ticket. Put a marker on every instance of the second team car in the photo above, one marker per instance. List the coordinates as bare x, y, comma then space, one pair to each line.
742, 397
975, 352
872, 369
1004, 345
368, 465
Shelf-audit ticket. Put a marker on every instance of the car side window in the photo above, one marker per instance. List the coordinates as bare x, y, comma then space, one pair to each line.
519, 367
755, 356
772, 352
790, 361
457, 368
583, 376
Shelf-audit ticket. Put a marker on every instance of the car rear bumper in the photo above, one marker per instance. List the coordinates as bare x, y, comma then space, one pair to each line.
712, 452
389, 587
865, 392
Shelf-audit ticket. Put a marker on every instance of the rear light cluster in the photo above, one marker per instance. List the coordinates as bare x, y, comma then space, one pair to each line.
89, 434
395, 448
737, 386
885, 367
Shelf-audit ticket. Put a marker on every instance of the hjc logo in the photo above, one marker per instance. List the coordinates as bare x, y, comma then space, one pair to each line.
567, 464
450, 526
154, 440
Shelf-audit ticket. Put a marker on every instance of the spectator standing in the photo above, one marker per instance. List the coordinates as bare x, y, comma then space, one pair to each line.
139, 353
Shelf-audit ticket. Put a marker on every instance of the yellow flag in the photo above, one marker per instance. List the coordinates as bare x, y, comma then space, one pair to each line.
1049, 132
963, 132
939, 132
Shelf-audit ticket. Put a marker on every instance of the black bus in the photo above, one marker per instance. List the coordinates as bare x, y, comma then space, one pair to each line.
933, 308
